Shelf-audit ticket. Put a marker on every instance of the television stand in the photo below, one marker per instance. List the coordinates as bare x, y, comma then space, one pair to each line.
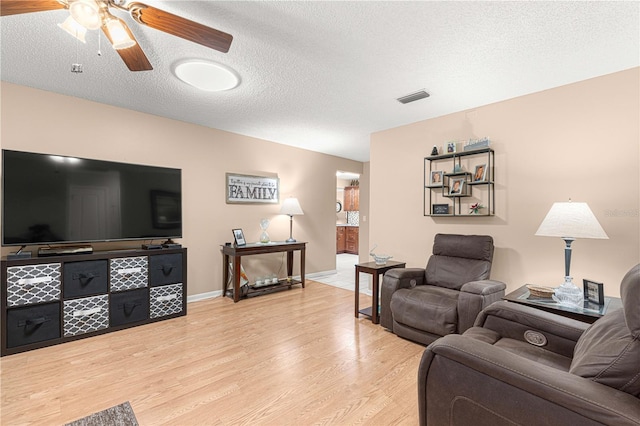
62, 250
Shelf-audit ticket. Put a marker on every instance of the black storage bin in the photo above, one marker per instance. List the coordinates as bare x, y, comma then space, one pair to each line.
85, 278
129, 306
165, 269
33, 324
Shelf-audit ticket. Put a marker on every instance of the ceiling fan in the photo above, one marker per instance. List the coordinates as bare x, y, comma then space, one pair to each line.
94, 14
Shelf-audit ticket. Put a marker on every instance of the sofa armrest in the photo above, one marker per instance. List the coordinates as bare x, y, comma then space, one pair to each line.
464, 379
511, 320
484, 287
474, 297
393, 280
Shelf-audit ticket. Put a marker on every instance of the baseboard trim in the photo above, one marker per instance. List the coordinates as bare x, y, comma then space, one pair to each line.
321, 274
204, 296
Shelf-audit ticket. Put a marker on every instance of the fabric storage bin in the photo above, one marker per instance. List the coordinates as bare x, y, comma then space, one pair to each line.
86, 315
85, 278
165, 269
165, 300
127, 273
33, 324
129, 306
30, 284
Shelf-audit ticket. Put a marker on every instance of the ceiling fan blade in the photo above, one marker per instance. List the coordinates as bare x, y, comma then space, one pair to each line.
16, 7
180, 27
133, 57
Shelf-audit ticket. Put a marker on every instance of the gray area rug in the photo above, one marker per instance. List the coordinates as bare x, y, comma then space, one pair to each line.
120, 415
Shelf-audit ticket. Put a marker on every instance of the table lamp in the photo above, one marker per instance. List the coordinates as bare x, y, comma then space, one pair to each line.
291, 207
570, 221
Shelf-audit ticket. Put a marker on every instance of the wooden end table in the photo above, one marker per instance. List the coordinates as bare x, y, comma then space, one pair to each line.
588, 313
375, 270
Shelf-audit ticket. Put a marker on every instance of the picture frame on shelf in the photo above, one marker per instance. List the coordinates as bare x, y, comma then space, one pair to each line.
457, 186
238, 236
442, 209
450, 147
480, 173
436, 178
593, 292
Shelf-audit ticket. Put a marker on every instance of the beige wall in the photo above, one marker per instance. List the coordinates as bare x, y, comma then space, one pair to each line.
579, 141
39, 121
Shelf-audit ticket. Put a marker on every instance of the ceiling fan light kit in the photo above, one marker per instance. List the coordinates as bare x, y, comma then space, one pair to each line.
95, 14
86, 13
119, 37
72, 27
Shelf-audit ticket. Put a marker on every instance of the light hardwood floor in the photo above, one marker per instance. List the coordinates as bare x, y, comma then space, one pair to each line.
298, 357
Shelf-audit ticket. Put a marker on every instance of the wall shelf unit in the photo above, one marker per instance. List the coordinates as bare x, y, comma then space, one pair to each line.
454, 182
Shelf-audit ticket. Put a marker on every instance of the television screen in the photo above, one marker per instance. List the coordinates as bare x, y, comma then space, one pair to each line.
50, 199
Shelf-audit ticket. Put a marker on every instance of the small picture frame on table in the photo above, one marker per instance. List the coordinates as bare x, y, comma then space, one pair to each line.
238, 235
436, 178
593, 292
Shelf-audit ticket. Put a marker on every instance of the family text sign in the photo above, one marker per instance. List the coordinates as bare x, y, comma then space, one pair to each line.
247, 189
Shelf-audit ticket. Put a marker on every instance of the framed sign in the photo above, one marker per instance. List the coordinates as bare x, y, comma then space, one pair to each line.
247, 189
593, 292
440, 209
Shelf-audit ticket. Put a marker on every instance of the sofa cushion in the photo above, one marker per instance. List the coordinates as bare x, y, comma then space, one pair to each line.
428, 308
608, 353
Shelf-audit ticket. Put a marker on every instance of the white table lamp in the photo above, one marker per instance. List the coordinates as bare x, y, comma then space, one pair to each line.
570, 221
291, 207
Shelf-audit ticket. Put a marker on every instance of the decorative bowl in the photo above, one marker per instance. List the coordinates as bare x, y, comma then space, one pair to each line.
381, 259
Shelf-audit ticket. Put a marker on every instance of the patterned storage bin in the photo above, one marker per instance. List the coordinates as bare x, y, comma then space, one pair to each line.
31, 284
128, 273
86, 315
165, 300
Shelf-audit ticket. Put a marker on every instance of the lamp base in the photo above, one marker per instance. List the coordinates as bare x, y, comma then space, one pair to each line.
290, 240
568, 294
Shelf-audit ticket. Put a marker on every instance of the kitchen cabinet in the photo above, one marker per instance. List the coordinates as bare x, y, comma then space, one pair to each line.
347, 239
352, 233
341, 239
351, 198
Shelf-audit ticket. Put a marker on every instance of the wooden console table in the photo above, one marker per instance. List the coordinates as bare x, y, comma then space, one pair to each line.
237, 252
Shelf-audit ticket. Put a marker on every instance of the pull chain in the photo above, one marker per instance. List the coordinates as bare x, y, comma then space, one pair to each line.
77, 67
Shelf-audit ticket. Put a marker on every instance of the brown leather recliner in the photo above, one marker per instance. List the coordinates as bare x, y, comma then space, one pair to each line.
572, 373
423, 304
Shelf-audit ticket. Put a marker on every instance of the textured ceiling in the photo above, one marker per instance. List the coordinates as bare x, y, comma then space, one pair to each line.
325, 75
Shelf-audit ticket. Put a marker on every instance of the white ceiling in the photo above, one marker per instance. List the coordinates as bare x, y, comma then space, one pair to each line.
325, 75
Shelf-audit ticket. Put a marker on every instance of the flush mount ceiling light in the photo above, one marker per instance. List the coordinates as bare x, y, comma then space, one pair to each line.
207, 76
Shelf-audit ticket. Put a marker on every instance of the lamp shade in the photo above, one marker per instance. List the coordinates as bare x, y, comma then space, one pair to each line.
571, 220
291, 207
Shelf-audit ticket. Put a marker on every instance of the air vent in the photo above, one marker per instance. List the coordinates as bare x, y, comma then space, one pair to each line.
413, 97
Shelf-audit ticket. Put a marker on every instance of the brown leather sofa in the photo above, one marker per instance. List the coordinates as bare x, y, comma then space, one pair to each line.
423, 304
521, 365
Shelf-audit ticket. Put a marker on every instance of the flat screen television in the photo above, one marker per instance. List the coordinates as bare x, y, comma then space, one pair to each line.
53, 200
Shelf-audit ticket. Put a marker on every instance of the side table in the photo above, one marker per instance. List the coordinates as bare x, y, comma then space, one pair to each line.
589, 312
375, 270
